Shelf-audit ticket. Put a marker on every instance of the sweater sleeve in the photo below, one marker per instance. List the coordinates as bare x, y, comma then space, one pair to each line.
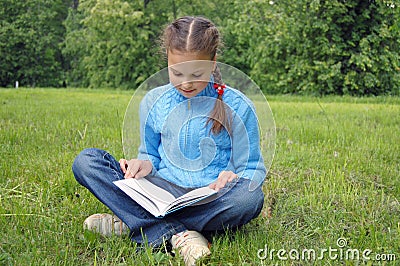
247, 159
149, 138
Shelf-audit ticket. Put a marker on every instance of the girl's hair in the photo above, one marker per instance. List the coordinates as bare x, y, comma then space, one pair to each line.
199, 35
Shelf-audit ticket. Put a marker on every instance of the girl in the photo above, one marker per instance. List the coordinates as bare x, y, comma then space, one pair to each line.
195, 131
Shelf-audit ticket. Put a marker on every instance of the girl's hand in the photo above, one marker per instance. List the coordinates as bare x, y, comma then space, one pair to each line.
135, 168
223, 178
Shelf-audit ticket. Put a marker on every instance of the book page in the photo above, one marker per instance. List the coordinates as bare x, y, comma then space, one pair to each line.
187, 202
151, 197
154, 191
140, 198
198, 192
192, 197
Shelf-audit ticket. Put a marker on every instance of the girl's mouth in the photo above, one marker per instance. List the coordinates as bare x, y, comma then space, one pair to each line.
188, 91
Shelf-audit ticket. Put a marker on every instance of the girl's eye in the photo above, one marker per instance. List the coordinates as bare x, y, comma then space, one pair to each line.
177, 74
197, 75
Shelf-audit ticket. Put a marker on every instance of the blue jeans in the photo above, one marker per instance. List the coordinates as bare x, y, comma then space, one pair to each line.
96, 170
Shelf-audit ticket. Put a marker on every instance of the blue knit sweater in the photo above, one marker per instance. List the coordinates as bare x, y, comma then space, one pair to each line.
177, 139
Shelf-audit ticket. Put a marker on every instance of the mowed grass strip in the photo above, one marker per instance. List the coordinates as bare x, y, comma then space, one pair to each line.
335, 175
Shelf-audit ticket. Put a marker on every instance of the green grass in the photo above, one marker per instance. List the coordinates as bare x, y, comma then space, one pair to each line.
335, 175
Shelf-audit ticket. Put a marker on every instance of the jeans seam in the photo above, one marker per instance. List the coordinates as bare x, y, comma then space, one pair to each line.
106, 156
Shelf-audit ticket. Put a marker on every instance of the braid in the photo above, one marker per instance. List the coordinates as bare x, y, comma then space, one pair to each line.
220, 116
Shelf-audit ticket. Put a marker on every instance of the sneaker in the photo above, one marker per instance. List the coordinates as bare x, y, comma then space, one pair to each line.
191, 245
105, 224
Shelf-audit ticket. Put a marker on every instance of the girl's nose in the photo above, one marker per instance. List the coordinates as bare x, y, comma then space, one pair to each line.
187, 84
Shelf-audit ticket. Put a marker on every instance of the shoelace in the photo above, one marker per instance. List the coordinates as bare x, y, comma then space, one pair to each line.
120, 225
183, 239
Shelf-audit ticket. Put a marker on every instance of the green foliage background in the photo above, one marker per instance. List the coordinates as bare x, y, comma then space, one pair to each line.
306, 46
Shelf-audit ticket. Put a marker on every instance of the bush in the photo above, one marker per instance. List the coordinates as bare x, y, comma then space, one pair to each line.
323, 47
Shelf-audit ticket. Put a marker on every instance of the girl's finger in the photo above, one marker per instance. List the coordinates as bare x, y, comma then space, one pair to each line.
212, 185
133, 168
221, 183
232, 177
123, 165
139, 174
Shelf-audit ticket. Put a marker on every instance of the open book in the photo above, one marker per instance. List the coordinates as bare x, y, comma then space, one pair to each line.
158, 201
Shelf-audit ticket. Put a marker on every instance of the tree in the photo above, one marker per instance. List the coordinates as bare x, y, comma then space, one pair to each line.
30, 34
115, 43
110, 45
305, 46
323, 47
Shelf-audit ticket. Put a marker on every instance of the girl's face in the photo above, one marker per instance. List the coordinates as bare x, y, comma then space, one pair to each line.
189, 72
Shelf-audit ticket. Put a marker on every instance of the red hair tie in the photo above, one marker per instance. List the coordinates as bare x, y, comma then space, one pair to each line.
219, 88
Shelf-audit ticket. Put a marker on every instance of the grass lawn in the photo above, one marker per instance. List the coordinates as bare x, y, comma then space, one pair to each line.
332, 194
